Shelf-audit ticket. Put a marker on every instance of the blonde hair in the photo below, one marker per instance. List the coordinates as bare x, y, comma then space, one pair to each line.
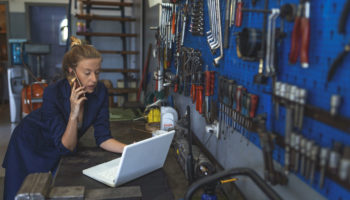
78, 52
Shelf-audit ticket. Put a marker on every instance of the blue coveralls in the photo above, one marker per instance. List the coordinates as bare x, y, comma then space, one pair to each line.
35, 144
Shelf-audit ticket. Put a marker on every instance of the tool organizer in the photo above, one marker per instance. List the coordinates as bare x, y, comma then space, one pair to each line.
325, 44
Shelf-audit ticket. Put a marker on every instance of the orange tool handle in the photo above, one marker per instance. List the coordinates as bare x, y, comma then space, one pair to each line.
212, 82
176, 86
254, 104
200, 99
294, 47
173, 24
193, 92
238, 22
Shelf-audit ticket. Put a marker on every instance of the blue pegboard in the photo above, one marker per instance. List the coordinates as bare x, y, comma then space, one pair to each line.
325, 45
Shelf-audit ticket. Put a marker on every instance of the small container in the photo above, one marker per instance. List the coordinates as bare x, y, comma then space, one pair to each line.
158, 132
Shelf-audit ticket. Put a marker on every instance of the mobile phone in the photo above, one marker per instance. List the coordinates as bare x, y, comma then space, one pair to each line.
72, 77
80, 85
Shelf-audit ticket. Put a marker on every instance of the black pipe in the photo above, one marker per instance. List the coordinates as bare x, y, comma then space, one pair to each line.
230, 173
189, 160
263, 44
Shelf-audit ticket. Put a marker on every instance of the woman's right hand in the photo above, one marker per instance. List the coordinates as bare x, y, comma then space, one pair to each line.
76, 99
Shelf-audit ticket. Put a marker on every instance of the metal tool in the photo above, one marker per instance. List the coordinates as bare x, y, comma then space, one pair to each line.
288, 93
297, 138
309, 146
334, 158
183, 31
324, 156
227, 24
314, 156
270, 174
271, 43
302, 102
303, 142
335, 103
277, 89
344, 165
232, 12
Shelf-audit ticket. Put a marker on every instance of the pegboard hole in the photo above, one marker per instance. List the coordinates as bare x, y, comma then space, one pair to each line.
338, 89
317, 59
322, 7
320, 33
304, 81
334, 5
315, 83
321, 135
310, 130
340, 198
329, 60
332, 34
327, 191
295, 78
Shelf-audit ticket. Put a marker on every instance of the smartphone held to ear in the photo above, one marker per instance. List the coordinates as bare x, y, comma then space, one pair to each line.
72, 77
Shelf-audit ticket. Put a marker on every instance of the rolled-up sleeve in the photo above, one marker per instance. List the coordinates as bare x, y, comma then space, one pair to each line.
53, 119
101, 123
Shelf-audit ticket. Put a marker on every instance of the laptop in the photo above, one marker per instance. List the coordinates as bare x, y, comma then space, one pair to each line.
138, 159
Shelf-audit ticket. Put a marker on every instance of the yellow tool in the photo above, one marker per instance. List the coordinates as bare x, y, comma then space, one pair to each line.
228, 180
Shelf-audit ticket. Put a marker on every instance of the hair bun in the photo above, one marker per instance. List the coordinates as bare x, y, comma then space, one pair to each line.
75, 41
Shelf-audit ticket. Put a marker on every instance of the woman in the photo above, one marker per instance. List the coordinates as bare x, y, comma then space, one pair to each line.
53, 130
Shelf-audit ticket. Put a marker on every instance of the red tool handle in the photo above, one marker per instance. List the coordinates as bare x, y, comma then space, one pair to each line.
207, 83
176, 86
305, 37
173, 24
294, 46
254, 104
200, 99
212, 82
193, 92
238, 22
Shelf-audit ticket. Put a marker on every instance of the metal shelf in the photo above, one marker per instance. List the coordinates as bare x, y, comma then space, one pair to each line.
106, 18
108, 3
107, 34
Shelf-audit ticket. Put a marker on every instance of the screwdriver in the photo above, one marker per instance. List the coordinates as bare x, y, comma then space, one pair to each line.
253, 105
207, 90
239, 13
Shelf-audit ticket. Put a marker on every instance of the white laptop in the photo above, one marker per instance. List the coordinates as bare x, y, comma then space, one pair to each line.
138, 159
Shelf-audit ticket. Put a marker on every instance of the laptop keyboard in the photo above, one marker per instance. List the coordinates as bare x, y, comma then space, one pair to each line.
111, 172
